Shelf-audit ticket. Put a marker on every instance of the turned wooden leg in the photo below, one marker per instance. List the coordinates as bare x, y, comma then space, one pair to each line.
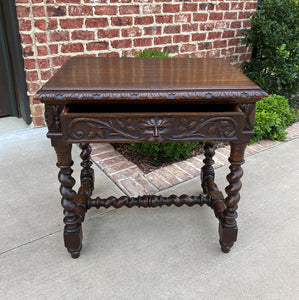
87, 173
207, 171
228, 226
72, 220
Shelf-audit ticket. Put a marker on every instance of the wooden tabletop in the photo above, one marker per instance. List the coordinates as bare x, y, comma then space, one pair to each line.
91, 78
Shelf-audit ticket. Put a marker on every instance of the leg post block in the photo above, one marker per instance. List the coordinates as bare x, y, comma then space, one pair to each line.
227, 237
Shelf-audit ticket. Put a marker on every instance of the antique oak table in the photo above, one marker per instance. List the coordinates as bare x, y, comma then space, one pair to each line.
124, 100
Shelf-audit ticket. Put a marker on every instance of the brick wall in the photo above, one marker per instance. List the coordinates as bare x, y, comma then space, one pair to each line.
54, 30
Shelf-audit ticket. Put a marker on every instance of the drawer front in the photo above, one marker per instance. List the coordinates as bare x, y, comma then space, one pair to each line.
151, 127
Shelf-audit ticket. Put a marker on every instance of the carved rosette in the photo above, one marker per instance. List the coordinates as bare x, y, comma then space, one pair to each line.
249, 110
152, 129
52, 117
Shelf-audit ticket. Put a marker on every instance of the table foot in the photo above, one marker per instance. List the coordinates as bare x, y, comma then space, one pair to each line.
225, 247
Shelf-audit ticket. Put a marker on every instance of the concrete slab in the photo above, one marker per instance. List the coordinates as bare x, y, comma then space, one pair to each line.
30, 200
165, 253
8, 124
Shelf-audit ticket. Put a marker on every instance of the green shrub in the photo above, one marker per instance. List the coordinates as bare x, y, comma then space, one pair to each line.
172, 150
151, 53
274, 36
273, 115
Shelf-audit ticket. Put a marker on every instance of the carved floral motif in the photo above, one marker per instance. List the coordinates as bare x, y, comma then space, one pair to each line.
52, 117
124, 95
152, 129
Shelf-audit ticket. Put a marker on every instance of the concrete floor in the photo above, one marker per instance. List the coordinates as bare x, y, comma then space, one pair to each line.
162, 253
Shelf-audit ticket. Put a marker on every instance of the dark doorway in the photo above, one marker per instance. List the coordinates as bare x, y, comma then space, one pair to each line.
13, 96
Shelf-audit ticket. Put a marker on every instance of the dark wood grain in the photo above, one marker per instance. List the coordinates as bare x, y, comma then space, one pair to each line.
173, 79
123, 100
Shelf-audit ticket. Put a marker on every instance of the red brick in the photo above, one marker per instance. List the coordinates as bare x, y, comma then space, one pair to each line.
82, 10
188, 48
131, 32
171, 8
106, 10
215, 16
230, 15
129, 10
182, 18
23, 1
69, 1
164, 19
23, 11
108, 33
32, 89
219, 44
144, 20
167, 176
119, 167
181, 38
214, 35
171, 49
53, 49
157, 180
222, 6
72, 23
188, 168
204, 6
228, 34
44, 63
207, 26
151, 9
162, 40
251, 5
40, 24
59, 61
144, 42
198, 36
172, 29
122, 21
189, 7
29, 64
70, 48
109, 54
152, 30
38, 11
233, 42
200, 17
83, 35
45, 75
27, 51
42, 50
182, 175
204, 46
121, 44
25, 25
26, 39
38, 121
236, 5
58, 36
53, 11
97, 46
111, 161
189, 27
41, 37
32, 76
235, 24
52, 24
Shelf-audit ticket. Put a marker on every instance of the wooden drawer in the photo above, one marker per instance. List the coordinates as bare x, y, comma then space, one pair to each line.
90, 123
